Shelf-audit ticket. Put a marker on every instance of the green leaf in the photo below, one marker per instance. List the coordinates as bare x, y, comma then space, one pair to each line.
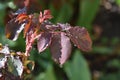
2, 6
50, 73
2, 16
47, 75
11, 5
114, 63
64, 14
102, 50
118, 2
88, 10
78, 69
15, 66
54, 12
12, 68
110, 76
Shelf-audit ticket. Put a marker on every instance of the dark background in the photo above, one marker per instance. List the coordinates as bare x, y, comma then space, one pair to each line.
102, 20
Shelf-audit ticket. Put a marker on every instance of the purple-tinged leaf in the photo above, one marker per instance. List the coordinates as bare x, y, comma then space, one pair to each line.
60, 47
66, 48
21, 11
80, 37
13, 29
44, 41
64, 27
56, 47
48, 26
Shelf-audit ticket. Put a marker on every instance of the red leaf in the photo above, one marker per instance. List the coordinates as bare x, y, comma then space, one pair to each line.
47, 15
80, 37
60, 47
21, 17
27, 27
44, 41
30, 38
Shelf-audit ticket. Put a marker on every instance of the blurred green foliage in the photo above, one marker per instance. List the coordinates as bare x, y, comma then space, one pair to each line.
118, 2
76, 12
88, 10
77, 68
